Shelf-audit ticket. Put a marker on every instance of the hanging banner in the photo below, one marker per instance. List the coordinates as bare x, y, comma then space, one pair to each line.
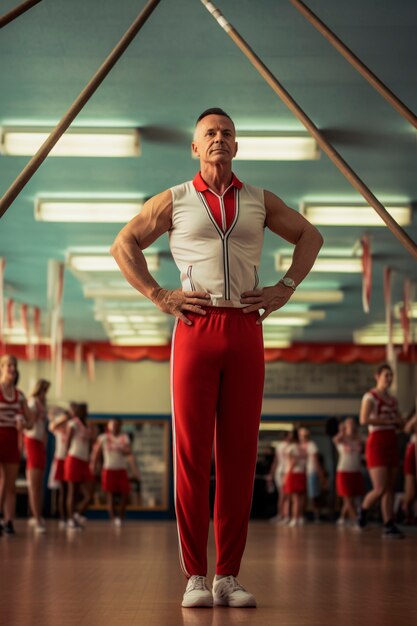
55, 283
78, 356
2, 268
37, 323
37, 329
405, 315
91, 366
366, 272
10, 313
390, 356
55, 293
59, 359
24, 319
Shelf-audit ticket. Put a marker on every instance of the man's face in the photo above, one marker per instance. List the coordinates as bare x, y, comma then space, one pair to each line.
215, 140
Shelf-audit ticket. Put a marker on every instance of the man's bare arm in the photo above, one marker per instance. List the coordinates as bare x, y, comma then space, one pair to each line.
154, 220
292, 227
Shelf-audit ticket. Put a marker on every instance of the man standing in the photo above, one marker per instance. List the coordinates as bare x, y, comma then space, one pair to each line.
216, 226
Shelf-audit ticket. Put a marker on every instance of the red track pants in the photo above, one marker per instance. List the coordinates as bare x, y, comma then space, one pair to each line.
217, 376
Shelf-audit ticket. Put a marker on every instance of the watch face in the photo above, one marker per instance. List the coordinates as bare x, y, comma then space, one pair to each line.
288, 282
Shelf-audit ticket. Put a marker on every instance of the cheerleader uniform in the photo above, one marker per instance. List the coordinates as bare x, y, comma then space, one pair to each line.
35, 437
281, 453
11, 410
349, 479
296, 479
114, 477
58, 463
76, 468
313, 480
410, 457
381, 446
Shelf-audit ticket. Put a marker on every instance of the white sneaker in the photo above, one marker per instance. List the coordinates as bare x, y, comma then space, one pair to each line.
228, 592
341, 521
284, 521
72, 524
117, 522
80, 519
197, 593
62, 524
293, 523
32, 521
40, 528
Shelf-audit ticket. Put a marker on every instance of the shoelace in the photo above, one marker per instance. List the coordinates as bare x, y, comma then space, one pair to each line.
232, 584
197, 582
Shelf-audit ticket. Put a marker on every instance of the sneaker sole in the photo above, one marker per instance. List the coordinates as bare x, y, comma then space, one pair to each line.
249, 604
197, 604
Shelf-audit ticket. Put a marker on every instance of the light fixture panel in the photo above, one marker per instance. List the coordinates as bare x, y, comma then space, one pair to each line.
81, 142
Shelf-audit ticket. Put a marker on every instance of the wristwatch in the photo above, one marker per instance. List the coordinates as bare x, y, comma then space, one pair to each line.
288, 282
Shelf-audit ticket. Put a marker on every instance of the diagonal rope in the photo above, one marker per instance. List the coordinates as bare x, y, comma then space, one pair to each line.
337, 43
325, 145
17, 11
78, 104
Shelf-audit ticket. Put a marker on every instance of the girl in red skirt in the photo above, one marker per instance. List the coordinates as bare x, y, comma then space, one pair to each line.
14, 416
58, 427
295, 484
379, 411
76, 468
349, 479
35, 446
114, 446
410, 471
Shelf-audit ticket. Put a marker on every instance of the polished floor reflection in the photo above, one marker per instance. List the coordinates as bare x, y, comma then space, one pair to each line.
315, 575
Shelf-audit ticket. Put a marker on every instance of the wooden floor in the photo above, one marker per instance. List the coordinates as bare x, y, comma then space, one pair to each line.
317, 575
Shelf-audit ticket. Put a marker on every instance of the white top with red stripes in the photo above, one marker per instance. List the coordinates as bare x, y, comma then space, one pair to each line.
11, 409
296, 452
223, 263
281, 449
80, 442
311, 451
349, 455
382, 409
61, 439
114, 450
38, 429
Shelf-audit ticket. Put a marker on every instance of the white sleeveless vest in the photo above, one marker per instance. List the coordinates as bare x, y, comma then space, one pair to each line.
221, 264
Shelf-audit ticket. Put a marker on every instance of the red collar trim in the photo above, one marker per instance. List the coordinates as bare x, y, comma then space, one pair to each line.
201, 185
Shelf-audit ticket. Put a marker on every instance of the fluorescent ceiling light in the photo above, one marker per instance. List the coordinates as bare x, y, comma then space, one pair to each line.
323, 264
309, 316
376, 334
122, 292
345, 214
277, 147
88, 142
88, 210
327, 296
18, 336
287, 320
105, 262
143, 332
157, 340
277, 343
135, 319
413, 310
276, 426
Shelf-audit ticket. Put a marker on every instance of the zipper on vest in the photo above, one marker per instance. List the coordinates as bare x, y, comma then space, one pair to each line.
224, 235
189, 274
255, 271
226, 269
